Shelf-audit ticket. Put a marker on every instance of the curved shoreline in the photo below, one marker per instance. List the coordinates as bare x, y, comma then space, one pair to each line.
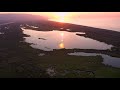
103, 35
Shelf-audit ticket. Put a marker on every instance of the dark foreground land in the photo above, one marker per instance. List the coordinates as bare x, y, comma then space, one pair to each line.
18, 59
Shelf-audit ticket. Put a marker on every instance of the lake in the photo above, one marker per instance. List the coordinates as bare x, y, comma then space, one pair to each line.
49, 40
107, 60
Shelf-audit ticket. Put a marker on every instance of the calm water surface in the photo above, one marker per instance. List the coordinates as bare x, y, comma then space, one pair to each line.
107, 60
49, 40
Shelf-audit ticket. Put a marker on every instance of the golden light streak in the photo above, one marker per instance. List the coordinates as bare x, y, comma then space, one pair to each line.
62, 34
61, 45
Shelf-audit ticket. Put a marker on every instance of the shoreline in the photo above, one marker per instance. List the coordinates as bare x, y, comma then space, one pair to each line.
103, 35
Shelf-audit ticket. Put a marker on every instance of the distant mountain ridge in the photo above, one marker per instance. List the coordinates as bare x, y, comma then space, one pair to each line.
21, 17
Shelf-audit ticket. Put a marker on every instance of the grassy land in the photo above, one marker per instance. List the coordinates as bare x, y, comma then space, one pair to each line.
26, 63
74, 64
65, 66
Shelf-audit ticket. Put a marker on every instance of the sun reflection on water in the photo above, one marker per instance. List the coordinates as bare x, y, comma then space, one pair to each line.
62, 34
61, 45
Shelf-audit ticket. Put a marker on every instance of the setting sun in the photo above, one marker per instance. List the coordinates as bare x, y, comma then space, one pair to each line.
61, 20
60, 16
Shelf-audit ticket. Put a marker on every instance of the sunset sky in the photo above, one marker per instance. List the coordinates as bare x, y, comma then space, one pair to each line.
107, 20
71, 14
